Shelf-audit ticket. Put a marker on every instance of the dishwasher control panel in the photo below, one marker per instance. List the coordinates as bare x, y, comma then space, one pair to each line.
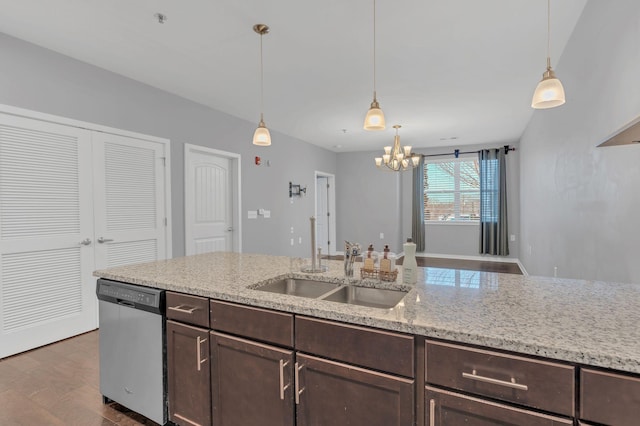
139, 297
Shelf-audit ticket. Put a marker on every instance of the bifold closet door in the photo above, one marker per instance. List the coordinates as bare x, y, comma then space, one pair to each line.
129, 194
47, 292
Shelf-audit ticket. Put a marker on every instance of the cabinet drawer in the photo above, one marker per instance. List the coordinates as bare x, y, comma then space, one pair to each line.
538, 384
452, 409
381, 350
259, 324
608, 398
190, 309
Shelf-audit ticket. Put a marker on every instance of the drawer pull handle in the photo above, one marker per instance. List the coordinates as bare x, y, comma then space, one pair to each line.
432, 412
283, 388
180, 308
512, 384
298, 390
199, 359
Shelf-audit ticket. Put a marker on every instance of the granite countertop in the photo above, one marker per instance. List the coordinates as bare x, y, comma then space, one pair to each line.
587, 322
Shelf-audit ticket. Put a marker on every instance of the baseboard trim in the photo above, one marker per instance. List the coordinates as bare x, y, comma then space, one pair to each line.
464, 257
521, 266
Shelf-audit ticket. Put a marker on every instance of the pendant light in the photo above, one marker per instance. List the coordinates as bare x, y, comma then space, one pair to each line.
549, 92
261, 137
375, 117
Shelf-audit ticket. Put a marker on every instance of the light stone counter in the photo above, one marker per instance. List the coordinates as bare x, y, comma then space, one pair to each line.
586, 322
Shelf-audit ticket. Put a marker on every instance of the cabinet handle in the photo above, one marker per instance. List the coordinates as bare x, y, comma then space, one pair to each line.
180, 308
432, 412
103, 240
512, 384
199, 359
283, 388
298, 390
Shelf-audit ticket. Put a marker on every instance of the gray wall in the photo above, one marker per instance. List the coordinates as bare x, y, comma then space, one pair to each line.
372, 201
369, 203
580, 204
38, 79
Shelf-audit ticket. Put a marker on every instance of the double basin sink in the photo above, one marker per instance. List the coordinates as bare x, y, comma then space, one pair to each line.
350, 294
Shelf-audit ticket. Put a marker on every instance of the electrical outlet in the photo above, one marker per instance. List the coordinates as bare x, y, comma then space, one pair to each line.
292, 229
382, 235
512, 238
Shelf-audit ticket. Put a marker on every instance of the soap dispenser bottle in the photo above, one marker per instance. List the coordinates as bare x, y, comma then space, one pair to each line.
409, 264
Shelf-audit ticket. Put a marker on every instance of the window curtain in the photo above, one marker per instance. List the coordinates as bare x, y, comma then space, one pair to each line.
494, 233
417, 217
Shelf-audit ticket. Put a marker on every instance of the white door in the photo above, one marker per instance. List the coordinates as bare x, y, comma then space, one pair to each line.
47, 292
129, 194
322, 214
210, 194
325, 212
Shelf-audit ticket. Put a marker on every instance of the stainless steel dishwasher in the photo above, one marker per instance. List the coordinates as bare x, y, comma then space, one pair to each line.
132, 347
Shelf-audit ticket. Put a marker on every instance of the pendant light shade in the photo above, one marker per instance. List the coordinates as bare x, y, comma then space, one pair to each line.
261, 136
549, 92
374, 119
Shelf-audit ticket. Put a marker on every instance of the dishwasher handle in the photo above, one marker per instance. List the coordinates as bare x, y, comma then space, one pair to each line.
125, 303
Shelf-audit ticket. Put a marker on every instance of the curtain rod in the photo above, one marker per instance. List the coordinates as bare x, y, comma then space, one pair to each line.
457, 152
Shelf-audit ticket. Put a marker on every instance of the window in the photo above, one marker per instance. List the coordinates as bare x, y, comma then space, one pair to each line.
452, 190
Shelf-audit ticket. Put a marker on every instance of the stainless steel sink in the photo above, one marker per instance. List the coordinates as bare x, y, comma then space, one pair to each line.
365, 296
299, 287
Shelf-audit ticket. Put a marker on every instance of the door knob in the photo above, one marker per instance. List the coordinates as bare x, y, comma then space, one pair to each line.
85, 242
103, 240
230, 229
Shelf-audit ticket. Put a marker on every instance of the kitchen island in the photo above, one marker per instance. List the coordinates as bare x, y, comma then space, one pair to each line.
577, 322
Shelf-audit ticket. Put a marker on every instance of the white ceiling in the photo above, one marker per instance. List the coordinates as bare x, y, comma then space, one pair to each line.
446, 68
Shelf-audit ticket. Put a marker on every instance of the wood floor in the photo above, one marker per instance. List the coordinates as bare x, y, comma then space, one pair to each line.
58, 385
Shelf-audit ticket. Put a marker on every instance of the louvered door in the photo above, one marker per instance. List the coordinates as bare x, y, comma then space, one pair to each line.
129, 200
47, 292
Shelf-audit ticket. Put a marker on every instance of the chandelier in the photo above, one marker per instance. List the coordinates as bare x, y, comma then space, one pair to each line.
397, 158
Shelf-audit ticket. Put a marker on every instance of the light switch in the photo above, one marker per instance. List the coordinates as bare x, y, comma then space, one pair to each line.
299, 240
252, 214
266, 213
292, 241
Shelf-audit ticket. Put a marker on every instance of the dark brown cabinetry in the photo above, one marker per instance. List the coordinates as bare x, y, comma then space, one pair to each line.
451, 409
188, 369
608, 398
252, 383
332, 393
491, 376
337, 392
188, 374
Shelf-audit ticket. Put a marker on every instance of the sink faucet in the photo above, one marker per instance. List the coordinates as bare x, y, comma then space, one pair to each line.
314, 268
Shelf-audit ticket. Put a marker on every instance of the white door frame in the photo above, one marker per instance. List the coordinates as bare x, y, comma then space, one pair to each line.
332, 206
236, 190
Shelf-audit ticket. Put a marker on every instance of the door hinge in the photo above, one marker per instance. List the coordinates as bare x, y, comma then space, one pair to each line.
164, 161
328, 214
165, 221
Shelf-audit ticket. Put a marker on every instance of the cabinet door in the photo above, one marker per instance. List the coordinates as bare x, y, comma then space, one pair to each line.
336, 394
450, 409
188, 375
608, 398
251, 383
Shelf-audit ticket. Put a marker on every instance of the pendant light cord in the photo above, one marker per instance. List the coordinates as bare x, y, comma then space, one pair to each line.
261, 82
374, 49
548, 33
